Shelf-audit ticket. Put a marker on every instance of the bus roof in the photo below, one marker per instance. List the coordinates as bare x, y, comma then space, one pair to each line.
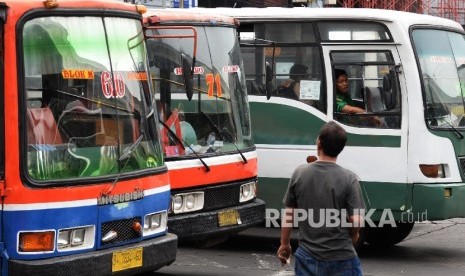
25, 5
272, 14
186, 16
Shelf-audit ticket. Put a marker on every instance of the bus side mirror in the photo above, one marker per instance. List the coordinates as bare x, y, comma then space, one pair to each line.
187, 75
389, 93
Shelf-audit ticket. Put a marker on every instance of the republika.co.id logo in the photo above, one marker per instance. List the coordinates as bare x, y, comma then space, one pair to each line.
338, 218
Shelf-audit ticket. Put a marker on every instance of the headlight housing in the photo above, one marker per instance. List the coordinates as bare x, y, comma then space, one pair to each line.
154, 223
248, 191
76, 238
187, 202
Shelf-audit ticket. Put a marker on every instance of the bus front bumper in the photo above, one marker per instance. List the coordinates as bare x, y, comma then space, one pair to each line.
204, 225
157, 253
438, 201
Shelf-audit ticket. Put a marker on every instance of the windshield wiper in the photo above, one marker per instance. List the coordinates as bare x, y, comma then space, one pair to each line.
220, 134
434, 121
451, 127
182, 142
126, 153
129, 150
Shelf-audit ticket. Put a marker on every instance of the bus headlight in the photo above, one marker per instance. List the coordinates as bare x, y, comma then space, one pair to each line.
247, 191
177, 203
75, 238
190, 201
154, 223
187, 202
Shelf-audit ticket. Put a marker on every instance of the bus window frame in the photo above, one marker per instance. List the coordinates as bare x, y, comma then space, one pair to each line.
420, 71
2, 92
26, 179
392, 65
319, 32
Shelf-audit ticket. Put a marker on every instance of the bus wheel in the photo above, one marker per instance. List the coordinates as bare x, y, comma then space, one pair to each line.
388, 235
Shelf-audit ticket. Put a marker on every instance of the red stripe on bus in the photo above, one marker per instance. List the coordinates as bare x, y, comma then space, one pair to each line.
197, 176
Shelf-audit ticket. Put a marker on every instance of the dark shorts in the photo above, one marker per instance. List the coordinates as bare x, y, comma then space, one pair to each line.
306, 265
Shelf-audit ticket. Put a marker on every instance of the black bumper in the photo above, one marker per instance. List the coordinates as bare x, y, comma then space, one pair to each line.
157, 253
199, 226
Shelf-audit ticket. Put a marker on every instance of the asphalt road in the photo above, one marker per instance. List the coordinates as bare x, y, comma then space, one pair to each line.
433, 248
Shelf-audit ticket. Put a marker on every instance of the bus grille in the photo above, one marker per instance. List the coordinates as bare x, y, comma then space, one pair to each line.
462, 163
123, 228
221, 196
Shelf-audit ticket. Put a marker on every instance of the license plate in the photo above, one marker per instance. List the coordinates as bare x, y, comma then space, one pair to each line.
230, 217
126, 259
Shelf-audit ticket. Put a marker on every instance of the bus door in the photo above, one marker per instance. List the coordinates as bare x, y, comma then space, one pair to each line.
376, 148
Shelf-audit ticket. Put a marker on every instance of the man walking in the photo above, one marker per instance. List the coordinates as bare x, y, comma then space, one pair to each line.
330, 199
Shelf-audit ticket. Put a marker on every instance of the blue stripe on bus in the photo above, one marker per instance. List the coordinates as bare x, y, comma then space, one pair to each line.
54, 219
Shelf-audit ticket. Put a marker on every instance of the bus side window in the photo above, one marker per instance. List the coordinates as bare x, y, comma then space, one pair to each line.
372, 95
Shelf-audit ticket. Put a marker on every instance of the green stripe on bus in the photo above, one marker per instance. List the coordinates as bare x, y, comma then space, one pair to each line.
406, 201
277, 124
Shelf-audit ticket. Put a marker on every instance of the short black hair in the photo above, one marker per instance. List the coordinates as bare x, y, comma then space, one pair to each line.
332, 138
339, 72
298, 69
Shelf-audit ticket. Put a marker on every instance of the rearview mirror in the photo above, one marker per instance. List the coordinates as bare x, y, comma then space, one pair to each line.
187, 76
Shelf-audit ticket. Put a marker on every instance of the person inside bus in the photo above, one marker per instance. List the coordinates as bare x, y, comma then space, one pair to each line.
291, 87
344, 103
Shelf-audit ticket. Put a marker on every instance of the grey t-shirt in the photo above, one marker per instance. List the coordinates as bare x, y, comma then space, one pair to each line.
322, 187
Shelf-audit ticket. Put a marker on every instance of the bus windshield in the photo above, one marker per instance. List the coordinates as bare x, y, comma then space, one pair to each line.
442, 63
217, 118
89, 107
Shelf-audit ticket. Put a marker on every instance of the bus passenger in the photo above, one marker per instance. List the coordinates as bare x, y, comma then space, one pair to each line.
344, 102
291, 87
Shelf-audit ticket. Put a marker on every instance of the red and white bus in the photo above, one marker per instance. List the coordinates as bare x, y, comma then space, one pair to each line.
207, 137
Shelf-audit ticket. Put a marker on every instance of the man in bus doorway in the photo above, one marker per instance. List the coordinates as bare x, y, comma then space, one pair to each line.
320, 194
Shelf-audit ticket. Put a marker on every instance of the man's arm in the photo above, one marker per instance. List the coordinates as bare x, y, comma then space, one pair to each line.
352, 109
356, 221
285, 250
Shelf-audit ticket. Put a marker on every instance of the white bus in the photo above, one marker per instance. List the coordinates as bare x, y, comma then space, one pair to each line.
404, 68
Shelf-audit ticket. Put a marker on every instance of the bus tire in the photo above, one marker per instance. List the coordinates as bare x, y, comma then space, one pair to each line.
387, 235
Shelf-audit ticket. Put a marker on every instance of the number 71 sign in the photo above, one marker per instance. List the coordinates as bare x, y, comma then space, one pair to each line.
214, 80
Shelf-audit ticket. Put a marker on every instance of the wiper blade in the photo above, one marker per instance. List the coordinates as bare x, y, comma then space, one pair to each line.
220, 134
182, 142
451, 127
126, 153
456, 131
129, 150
